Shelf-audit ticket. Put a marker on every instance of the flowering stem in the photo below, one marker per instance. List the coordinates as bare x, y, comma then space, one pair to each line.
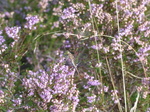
111, 78
98, 56
122, 63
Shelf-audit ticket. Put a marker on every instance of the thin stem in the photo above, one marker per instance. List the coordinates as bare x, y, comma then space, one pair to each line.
98, 56
112, 81
122, 63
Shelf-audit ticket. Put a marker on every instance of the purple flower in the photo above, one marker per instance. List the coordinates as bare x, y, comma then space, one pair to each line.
146, 81
58, 106
2, 40
12, 32
91, 98
92, 82
3, 46
1, 97
31, 21
17, 101
126, 31
105, 88
148, 109
114, 96
97, 47
68, 13
75, 100
46, 95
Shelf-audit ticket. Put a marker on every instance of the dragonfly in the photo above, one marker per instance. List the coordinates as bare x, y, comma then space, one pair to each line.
72, 58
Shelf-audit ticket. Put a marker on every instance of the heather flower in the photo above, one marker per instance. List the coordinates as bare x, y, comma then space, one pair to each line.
31, 21
143, 54
69, 13
12, 32
139, 89
61, 79
97, 47
144, 26
148, 110
73, 95
86, 76
37, 79
17, 101
93, 108
27, 8
92, 82
99, 14
146, 81
98, 64
145, 94
3, 46
9, 14
127, 31
55, 25
49, 86
79, 6
1, 97
10, 110
58, 106
145, 88
57, 10
91, 99
114, 96
105, 88
106, 49
75, 102
9, 76
43, 4
67, 44
46, 95
96, 10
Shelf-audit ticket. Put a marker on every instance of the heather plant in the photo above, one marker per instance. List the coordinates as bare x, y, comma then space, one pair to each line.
75, 56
